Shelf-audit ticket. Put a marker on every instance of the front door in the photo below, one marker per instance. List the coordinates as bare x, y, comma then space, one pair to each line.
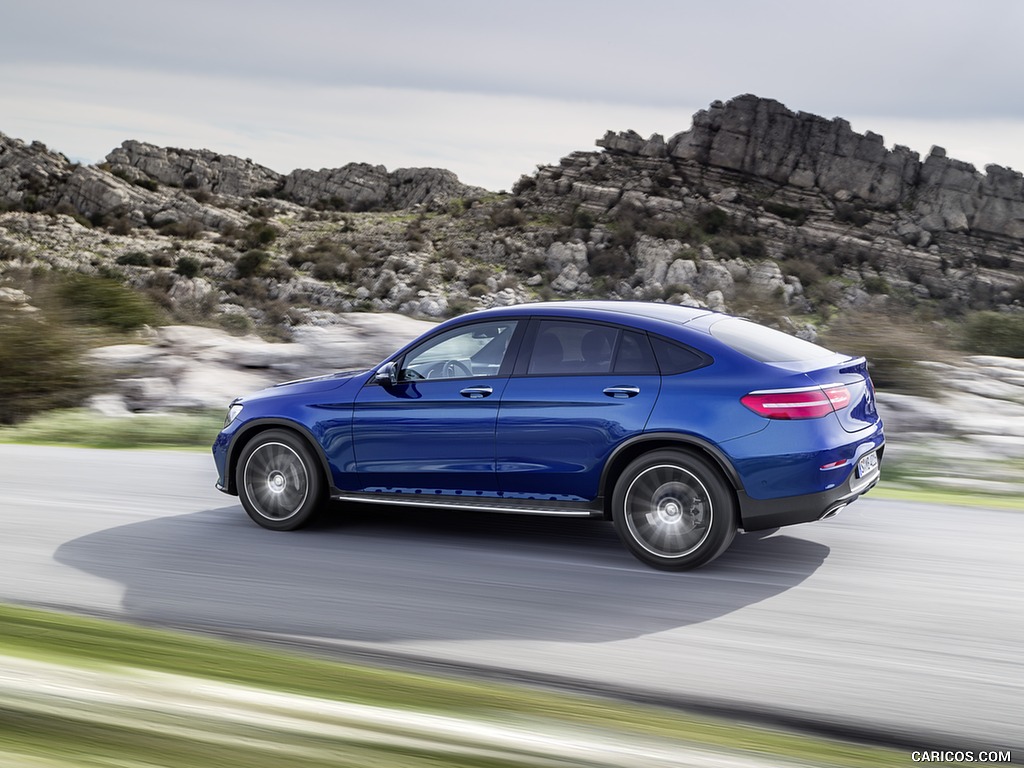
432, 432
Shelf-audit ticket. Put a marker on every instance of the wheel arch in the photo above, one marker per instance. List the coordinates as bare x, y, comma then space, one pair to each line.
251, 429
653, 441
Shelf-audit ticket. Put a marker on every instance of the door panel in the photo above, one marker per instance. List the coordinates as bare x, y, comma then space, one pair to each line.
581, 389
427, 436
555, 432
433, 431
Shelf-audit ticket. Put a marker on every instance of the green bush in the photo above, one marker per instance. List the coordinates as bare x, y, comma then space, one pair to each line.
876, 284
713, 221
40, 367
188, 266
893, 346
259, 233
105, 302
134, 259
251, 263
995, 333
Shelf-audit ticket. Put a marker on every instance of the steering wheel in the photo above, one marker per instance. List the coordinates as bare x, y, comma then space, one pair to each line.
449, 369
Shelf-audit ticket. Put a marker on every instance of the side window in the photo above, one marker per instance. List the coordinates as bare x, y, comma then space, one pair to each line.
463, 352
675, 358
635, 355
565, 347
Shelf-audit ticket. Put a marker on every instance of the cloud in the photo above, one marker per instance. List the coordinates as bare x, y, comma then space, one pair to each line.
488, 140
490, 90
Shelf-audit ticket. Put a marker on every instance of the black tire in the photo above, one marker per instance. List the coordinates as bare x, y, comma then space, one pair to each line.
673, 510
279, 480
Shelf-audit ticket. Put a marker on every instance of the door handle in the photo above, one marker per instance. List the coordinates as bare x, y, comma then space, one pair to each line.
476, 392
622, 391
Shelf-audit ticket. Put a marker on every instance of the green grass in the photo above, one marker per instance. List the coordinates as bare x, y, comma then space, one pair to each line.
58, 734
944, 496
85, 428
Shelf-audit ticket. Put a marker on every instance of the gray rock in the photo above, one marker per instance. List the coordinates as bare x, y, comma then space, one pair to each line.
765, 279
361, 187
681, 272
559, 254
193, 169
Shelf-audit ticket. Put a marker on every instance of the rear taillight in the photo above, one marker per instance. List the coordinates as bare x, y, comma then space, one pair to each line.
806, 403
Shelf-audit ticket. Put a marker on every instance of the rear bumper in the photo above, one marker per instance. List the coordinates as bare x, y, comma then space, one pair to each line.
758, 514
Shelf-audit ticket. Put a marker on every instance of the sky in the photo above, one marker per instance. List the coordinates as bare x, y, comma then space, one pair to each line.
491, 90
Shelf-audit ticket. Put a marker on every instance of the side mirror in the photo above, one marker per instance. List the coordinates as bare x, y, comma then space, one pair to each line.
386, 375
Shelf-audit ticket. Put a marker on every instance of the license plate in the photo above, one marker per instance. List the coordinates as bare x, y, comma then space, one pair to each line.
867, 464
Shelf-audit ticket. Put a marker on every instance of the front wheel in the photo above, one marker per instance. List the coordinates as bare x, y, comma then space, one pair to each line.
279, 481
673, 510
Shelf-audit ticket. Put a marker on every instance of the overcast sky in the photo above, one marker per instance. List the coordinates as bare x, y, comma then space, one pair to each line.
492, 89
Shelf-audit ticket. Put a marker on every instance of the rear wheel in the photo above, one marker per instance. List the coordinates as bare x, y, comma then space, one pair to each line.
279, 480
674, 510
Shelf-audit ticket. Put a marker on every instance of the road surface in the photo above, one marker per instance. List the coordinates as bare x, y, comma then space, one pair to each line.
905, 619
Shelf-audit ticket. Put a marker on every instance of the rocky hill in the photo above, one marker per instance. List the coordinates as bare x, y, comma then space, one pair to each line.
783, 215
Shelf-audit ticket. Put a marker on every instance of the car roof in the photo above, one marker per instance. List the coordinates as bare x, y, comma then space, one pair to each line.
604, 309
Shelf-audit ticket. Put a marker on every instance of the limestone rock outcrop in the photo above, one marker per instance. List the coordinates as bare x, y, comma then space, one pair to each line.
763, 138
362, 187
193, 169
147, 184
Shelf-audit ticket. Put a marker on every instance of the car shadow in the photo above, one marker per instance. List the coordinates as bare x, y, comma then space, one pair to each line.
388, 574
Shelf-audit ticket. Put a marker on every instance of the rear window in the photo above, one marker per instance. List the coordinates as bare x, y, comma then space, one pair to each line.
675, 358
765, 344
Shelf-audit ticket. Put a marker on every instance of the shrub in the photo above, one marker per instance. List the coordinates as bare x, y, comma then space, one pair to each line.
507, 216
523, 185
613, 262
259, 233
876, 284
477, 275
995, 333
188, 229
40, 367
330, 260
752, 247
893, 346
105, 302
808, 272
188, 266
724, 247
251, 263
582, 219
670, 229
713, 221
235, 322
134, 259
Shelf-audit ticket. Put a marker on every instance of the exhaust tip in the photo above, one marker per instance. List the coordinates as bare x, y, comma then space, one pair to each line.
833, 511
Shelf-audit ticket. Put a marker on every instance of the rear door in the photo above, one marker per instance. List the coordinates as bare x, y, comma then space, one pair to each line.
578, 390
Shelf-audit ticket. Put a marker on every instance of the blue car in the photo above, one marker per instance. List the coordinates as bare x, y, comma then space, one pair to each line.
680, 425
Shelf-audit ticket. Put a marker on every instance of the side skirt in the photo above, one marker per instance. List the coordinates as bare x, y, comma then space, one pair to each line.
503, 506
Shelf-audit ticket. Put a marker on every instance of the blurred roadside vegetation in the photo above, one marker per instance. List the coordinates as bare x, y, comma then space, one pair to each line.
189, 430
42, 345
62, 732
893, 346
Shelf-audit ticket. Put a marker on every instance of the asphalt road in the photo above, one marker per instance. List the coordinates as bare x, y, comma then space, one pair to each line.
902, 618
